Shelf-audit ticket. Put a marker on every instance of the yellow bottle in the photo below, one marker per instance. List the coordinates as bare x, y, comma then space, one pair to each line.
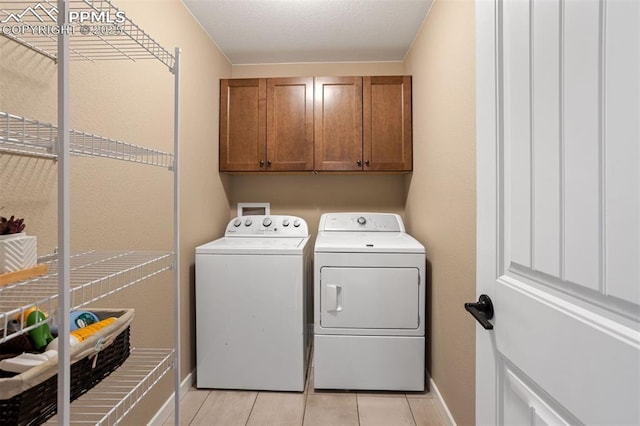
78, 335
84, 332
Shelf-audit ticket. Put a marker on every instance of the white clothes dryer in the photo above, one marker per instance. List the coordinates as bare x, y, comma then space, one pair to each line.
251, 305
369, 304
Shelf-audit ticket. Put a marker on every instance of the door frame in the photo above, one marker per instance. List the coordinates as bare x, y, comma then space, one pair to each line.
487, 146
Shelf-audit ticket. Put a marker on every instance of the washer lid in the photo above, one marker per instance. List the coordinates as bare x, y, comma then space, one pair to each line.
253, 246
367, 242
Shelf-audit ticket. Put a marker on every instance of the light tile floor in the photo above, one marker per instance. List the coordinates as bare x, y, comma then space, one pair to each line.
311, 408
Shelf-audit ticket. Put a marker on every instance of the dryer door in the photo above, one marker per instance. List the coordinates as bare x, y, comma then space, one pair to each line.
369, 298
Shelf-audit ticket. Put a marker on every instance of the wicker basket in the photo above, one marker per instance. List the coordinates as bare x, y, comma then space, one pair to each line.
30, 398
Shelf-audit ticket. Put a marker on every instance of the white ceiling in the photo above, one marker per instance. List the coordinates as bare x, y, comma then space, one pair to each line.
285, 31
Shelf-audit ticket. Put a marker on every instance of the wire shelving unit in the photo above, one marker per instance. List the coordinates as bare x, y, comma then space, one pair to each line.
94, 275
24, 136
89, 30
117, 394
97, 30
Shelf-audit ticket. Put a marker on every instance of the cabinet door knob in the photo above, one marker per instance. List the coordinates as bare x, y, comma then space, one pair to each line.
367, 163
268, 163
359, 163
261, 163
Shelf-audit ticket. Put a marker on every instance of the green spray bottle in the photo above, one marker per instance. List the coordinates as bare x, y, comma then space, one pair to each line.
40, 336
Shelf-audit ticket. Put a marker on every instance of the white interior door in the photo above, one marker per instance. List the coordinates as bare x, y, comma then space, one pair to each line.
558, 118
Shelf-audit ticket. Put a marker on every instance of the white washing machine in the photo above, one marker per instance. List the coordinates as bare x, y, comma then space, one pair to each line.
369, 303
251, 310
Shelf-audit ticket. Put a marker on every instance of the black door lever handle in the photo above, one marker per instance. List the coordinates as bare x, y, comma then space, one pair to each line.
482, 311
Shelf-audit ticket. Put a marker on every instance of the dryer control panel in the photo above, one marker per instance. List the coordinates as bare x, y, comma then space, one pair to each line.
268, 226
367, 222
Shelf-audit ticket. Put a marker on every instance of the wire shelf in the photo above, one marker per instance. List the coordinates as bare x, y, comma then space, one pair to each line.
25, 136
97, 31
94, 275
117, 394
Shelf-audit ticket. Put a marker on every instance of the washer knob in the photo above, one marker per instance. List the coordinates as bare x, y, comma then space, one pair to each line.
237, 222
362, 220
266, 222
296, 223
285, 222
248, 222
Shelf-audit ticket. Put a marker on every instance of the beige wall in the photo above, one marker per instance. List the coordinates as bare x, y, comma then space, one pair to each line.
308, 196
118, 205
317, 69
440, 209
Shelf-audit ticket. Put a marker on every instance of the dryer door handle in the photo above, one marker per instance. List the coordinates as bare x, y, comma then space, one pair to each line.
333, 298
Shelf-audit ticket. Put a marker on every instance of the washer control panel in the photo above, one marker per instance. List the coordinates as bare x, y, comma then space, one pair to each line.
369, 222
268, 226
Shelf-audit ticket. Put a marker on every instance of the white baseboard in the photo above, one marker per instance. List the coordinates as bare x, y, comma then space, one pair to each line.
167, 407
441, 404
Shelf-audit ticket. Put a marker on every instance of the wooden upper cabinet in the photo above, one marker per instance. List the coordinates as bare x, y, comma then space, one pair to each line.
243, 124
338, 123
323, 124
387, 142
290, 124
266, 124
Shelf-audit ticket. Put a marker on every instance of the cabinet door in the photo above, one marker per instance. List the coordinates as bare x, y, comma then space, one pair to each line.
242, 125
387, 123
338, 123
290, 124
